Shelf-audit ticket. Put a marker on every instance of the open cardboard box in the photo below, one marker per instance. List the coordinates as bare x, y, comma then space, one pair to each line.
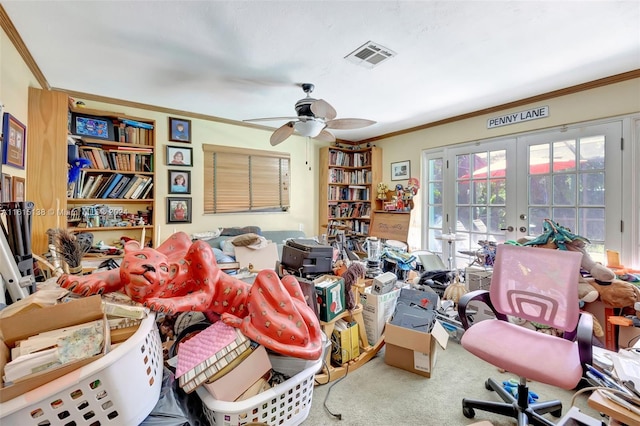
30, 322
412, 350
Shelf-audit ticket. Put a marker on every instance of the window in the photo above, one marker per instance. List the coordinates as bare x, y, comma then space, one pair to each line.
245, 180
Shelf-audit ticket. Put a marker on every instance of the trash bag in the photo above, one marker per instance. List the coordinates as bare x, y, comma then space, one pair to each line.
171, 408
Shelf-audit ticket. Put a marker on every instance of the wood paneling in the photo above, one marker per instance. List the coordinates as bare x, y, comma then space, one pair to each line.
46, 163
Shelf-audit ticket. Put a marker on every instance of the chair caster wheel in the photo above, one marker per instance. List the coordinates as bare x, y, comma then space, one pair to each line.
487, 385
468, 412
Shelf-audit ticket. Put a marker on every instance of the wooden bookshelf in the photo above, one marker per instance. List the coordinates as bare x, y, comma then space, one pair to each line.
127, 157
348, 178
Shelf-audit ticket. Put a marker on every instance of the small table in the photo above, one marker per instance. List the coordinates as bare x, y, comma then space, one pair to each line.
617, 412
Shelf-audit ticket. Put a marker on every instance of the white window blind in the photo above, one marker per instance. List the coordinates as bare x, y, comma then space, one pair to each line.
245, 180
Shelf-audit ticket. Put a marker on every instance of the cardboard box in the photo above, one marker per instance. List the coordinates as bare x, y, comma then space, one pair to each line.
477, 278
330, 292
628, 336
601, 312
25, 324
413, 350
346, 344
376, 311
233, 384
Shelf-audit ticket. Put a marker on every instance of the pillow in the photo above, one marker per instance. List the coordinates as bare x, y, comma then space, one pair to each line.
232, 232
245, 240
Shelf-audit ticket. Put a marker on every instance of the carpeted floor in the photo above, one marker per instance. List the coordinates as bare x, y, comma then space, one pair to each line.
378, 394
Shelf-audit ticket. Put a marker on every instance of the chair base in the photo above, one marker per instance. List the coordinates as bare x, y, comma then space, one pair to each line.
520, 409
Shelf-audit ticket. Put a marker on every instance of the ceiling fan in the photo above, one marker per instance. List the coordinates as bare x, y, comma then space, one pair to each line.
315, 116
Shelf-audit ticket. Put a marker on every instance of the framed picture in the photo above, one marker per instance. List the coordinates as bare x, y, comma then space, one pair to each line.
178, 210
14, 141
401, 170
179, 156
91, 127
179, 130
18, 188
7, 188
179, 181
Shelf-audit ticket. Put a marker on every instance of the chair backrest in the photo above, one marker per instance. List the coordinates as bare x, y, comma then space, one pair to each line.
537, 284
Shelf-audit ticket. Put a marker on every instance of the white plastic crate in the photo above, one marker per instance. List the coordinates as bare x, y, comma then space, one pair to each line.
288, 403
121, 388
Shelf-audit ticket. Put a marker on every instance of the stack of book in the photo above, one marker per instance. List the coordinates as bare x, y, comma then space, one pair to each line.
210, 354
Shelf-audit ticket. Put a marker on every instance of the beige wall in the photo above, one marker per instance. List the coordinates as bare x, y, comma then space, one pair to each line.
15, 79
610, 101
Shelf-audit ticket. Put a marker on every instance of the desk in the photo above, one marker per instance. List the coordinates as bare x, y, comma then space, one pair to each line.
602, 404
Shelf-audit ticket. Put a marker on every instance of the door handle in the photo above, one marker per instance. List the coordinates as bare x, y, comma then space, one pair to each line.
508, 229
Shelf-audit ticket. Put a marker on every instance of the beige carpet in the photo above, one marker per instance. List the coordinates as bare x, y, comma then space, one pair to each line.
378, 394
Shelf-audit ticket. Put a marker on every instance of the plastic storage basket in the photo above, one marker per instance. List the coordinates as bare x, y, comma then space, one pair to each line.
121, 388
288, 403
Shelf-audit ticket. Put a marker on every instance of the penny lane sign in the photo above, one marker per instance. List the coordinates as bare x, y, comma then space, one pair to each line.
518, 117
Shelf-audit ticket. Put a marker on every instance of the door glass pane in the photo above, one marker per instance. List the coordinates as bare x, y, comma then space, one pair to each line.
591, 189
564, 190
434, 204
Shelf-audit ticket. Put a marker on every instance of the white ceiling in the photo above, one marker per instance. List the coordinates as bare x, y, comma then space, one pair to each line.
242, 59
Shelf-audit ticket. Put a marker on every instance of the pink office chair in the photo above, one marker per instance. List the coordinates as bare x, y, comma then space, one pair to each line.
540, 285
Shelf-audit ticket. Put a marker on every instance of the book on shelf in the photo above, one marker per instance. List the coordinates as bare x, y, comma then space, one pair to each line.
97, 182
111, 183
86, 186
115, 193
144, 182
131, 187
147, 191
103, 187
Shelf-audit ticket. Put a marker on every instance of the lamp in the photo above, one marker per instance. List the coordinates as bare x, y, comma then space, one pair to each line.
310, 128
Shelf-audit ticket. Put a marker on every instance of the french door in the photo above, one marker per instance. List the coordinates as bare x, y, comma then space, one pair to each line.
504, 189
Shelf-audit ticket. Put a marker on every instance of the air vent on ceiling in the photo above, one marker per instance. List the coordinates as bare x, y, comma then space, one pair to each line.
370, 55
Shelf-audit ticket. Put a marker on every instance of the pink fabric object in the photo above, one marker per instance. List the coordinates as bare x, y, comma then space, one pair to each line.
538, 285
200, 347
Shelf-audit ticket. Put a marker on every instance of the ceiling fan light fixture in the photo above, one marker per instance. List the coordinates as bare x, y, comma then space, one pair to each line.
310, 128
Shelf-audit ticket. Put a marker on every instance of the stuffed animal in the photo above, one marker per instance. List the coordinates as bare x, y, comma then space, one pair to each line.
183, 276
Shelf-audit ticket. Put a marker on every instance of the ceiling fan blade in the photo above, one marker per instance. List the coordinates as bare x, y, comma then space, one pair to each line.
281, 133
325, 136
349, 123
269, 119
321, 108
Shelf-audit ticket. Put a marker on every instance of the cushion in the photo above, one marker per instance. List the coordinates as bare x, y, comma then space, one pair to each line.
239, 231
245, 240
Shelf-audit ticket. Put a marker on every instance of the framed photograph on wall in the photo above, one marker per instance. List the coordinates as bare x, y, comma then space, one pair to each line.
178, 210
179, 181
7, 188
14, 141
179, 156
401, 170
18, 188
179, 130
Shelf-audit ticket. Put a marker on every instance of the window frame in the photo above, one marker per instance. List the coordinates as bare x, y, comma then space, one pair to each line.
260, 178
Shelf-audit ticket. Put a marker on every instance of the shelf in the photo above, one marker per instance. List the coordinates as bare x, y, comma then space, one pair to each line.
123, 172
329, 372
134, 146
109, 228
336, 181
108, 200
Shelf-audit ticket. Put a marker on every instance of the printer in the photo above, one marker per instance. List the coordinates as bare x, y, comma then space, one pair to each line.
307, 257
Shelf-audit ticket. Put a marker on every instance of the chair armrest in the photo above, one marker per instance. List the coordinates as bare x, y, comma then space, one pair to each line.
584, 336
480, 295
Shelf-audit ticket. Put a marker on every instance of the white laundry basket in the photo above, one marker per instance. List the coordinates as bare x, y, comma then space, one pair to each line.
288, 403
121, 388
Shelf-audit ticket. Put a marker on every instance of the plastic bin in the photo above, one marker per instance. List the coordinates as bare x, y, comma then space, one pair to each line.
121, 388
288, 403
